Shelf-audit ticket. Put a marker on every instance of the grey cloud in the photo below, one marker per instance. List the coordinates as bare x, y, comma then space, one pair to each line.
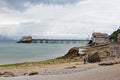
28, 28
19, 4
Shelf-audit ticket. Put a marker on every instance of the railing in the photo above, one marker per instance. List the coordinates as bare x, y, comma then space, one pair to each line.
57, 41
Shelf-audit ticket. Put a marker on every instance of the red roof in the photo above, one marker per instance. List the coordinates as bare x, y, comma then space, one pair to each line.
26, 37
98, 34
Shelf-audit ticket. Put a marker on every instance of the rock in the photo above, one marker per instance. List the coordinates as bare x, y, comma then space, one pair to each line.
73, 52
106, 64
25, 74
109, 63
94, 57
1, 74
7, 74
33, 73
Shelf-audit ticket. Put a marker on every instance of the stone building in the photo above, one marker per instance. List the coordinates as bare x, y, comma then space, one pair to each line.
26, 38
100, 38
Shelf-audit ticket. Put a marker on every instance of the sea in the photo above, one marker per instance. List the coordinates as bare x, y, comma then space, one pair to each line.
12, 52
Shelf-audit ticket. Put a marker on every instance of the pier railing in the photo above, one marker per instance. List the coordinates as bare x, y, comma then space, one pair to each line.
57, 41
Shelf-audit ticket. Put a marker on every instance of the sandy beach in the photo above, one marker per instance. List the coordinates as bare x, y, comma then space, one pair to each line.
101, 73
41, 68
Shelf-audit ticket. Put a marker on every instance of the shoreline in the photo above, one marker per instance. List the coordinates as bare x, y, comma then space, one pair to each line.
61, 65
48, 61
17, 53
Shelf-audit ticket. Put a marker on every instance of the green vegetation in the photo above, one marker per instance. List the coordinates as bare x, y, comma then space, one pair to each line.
16, 64
114, 35
46, 62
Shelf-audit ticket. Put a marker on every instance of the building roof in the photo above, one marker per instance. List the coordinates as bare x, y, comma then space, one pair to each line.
26, 37
98, 34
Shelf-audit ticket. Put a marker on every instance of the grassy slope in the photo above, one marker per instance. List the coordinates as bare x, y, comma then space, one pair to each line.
51, 61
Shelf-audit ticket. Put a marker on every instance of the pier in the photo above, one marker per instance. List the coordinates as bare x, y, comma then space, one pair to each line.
29, 39
57, 41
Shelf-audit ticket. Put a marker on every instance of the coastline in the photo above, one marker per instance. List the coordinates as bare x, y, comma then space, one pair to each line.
12, 52
58, 66
21, 69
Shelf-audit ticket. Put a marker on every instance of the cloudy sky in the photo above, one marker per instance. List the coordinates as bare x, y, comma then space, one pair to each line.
58, 18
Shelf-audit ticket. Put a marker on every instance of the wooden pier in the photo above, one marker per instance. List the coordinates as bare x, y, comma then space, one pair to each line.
29, 39
57, 41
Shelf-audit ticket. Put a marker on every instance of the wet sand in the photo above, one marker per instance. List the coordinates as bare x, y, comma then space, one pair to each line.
102, 73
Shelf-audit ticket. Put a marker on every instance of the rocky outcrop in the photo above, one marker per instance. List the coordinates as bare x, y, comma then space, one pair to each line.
101, 53
73, 52
94, 57
114, 51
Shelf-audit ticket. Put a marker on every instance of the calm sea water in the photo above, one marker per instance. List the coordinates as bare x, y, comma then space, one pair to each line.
12, 52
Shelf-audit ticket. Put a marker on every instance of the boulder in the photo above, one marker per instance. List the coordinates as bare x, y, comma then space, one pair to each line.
94, 57
73, 52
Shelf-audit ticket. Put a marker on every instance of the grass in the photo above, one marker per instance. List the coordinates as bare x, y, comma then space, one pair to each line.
16, 64
46, 62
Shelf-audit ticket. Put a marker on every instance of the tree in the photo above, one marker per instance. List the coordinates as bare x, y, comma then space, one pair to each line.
114, 35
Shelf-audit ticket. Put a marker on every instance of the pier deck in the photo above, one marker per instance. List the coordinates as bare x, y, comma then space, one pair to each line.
57, 41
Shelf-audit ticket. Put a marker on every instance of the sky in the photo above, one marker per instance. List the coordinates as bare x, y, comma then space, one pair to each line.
67, 19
